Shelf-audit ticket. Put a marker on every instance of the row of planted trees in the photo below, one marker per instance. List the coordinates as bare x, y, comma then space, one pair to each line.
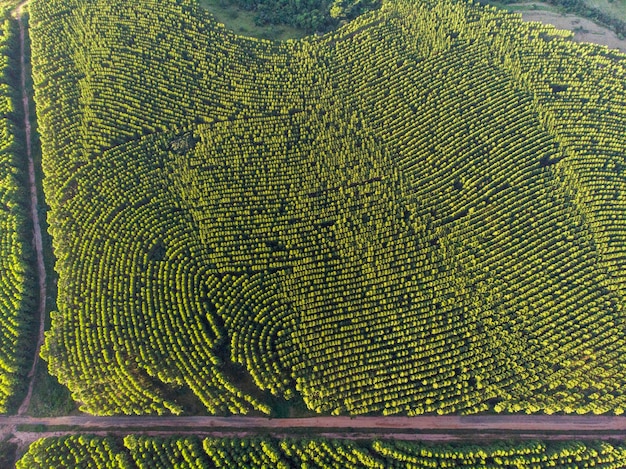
413, 214
146, 331
17, 277
147, 452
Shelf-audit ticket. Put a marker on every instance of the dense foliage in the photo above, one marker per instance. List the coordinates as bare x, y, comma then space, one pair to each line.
308, 15
420, 212
189, 452
16, 276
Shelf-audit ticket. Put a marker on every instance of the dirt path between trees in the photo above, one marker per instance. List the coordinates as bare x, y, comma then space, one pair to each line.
500, 425
447, 428
34, 212
584, 29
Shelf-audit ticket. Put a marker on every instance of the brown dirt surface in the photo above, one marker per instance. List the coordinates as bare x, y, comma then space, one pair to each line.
584, 29
342, 424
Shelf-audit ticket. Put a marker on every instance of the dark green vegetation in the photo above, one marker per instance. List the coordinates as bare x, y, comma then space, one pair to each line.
17, 285
244, 22
420, 212
156, 453
7, 454
50, 399
309, 15
616, 8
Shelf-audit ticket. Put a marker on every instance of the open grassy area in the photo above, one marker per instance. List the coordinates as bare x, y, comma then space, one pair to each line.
242, 22
50, 399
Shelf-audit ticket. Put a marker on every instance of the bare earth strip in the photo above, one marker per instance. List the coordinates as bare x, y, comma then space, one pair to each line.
438, 423
584, 30
424, 428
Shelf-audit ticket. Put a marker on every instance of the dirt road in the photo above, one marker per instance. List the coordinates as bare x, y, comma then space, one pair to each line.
426, 428
584, 29
34, 212
592, 424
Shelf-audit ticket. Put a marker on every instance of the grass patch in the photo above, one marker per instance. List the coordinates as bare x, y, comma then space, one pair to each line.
7, 453
50, 399
280, 407
243, 23
184, 396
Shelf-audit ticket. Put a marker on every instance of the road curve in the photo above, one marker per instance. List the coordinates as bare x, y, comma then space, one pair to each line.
446, 423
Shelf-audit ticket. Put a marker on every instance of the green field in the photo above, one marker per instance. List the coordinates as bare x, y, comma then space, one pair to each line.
421, 212
280, 19
243, 22
156, 453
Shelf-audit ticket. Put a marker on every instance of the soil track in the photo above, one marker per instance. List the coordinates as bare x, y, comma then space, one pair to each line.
584, 29
25, 430
34, 211
500, 425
